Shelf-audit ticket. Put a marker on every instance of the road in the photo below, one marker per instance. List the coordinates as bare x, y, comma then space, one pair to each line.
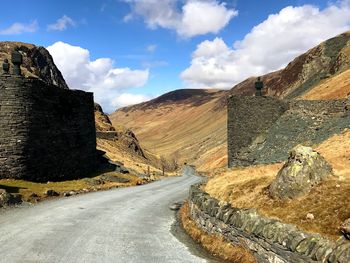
121, 225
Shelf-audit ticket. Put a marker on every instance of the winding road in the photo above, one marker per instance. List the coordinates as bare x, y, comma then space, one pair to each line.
121, 225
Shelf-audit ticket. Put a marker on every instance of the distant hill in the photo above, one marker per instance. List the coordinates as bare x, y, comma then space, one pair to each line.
191, 124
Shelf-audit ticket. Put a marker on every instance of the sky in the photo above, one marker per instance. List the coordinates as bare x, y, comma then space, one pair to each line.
129, 51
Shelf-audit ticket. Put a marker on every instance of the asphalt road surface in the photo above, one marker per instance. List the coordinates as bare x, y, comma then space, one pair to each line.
121, 225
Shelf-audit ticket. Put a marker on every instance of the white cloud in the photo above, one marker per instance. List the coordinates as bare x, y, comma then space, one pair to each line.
61, 24
126, 99
268, 47
20, 28
151, 48
194, 18
98, 76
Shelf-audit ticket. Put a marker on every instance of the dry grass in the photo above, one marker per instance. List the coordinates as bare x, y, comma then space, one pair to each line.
336, 87
329, 201
214, 244
26, 188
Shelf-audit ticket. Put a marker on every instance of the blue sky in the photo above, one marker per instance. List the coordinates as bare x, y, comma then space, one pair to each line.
127, 51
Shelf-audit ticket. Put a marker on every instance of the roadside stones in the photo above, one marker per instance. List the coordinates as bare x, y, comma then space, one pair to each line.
9, 199
345, 228
304, 169
51, 193
176, 206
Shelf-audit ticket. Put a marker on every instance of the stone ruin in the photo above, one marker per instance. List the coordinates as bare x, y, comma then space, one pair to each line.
46, 132
263, 130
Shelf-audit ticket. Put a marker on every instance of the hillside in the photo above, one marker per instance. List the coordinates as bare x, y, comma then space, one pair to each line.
191, 124
182, 124
121, 144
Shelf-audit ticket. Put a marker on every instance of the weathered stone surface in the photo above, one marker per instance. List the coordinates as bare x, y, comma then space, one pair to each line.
345, 228
304, 169
46, 133
37, 62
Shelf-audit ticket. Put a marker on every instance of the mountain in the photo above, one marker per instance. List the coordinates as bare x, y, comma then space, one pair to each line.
190, 125
37, 62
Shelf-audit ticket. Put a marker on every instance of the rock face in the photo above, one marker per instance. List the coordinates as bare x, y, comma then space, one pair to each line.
304, 169
37, 62
125, 138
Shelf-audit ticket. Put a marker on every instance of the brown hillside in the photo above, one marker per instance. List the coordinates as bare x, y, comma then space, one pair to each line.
122, 144
191, 124
179, 126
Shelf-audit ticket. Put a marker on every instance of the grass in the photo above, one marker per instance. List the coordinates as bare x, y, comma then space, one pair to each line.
216, 245
328, 202
26, 188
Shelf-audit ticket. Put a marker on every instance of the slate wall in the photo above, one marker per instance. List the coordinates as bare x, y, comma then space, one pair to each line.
46, 133
269, 240
263, 130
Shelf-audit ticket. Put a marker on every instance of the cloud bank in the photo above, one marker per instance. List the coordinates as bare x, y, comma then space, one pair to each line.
108, 83
267, 47
192, 18
20, 28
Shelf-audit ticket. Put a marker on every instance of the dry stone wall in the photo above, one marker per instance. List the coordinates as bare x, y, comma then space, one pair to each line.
269, 240
46, 133
263, 130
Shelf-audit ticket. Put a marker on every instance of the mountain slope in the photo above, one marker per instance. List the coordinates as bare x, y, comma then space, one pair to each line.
191, 124
181, 124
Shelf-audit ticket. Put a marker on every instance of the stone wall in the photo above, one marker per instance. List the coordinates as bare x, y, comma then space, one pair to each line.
263, 130
269, 240
249, 117
46, 133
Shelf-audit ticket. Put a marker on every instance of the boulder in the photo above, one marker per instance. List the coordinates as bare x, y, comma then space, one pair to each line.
51, 192
304, 169
345, 228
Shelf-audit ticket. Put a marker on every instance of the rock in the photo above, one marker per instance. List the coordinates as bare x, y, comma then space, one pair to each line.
121, 169
176, 206
37, 62
310, 216
345, 228
9, 199
51, 192
304, 169
33, 198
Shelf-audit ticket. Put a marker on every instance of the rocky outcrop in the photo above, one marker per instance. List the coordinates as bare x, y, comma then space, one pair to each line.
270, 240
125, 138
102, 122
37, 62
304, 169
